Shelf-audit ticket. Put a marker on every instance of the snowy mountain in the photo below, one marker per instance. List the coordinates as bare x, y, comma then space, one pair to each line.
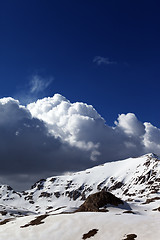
136, 181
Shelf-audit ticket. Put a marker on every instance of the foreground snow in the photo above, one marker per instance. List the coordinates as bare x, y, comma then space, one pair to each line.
74, 226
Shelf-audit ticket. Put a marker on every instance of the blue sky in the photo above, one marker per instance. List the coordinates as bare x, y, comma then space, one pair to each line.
60, 39
103, 53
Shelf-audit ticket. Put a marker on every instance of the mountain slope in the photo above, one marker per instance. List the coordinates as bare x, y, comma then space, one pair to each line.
48, 208
132, 180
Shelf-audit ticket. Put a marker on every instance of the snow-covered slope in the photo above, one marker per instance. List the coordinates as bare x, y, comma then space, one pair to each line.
74, 227
133, 180
47, 208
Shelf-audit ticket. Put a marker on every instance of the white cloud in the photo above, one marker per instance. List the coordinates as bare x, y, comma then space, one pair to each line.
66, 120
130, 124
53, 135
102, 60
27, 148
152, 138
81, 126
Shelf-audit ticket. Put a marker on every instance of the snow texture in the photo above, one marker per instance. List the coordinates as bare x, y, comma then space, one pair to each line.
48, 208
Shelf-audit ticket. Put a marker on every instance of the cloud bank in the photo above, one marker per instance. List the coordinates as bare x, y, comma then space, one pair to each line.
53, 135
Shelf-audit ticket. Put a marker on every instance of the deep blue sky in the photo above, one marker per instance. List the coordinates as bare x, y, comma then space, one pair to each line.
60, 39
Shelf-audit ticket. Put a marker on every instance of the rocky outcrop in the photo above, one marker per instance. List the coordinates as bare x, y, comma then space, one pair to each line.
136, 180
130, 237
99, 200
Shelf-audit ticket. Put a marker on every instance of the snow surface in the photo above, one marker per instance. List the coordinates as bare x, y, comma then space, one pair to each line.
135, 180
73, 226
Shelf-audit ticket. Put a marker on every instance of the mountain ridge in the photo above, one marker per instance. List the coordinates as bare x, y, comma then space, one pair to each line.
132, 180
111, 201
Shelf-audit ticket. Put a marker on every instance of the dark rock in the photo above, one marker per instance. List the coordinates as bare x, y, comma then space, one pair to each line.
9, 188
126, 191
39, 184
29, 197
5, 221
81, 187
156, 209
99, 200
24, 193
57, 194
45, 194
130, 194
53, 180
149, 200
91, 233
147, 163
99, 187
74, 194
112, 180
36, 221
49, 208
68, 185
3, 213
18, 194
116, 186
129, 211
89, 189
130, 237
83, 196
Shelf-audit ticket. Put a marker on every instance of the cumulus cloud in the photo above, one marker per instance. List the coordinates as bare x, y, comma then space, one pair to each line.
81, 126
103, 60
152, 138
53, 135
27, 148
130, 125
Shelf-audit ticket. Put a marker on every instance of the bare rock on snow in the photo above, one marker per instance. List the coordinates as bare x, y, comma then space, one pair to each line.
99, 200
91, 233
130, 237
